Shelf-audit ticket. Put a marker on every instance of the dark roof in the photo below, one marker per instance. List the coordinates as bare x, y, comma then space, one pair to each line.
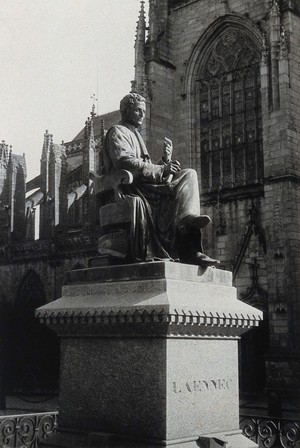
34, 183
110, 119
75, 175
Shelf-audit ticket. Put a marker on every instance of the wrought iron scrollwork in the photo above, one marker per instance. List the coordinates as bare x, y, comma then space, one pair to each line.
20, 431
271, 433
289, 434
8, 429
267, 432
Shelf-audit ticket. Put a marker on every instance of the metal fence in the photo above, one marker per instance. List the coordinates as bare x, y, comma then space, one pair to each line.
26, 430
271, 432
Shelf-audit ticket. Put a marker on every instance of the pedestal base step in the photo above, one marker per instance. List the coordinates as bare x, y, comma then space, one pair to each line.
66, 439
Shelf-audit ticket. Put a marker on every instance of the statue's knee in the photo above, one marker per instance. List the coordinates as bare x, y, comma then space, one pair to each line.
192, 173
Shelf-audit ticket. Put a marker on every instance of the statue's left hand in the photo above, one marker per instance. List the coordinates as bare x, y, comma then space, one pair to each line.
172, 167
168, 150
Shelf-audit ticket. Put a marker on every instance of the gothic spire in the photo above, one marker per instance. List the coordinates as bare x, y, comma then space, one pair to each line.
275, 11
91, 134
10, 153
139, 46
46, 145
93, 113
4, 153
88, 150
141, 25
89, 128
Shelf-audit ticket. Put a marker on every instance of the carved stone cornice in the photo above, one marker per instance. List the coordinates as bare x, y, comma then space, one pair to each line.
160, 298
223, 323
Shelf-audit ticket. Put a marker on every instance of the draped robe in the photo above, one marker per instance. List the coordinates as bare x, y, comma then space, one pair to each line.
159, 204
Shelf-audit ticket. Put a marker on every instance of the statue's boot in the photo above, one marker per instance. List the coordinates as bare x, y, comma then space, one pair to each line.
191, 222
201, 259
189, 244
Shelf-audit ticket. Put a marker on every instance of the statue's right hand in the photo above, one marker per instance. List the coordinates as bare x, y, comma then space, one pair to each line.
172, 168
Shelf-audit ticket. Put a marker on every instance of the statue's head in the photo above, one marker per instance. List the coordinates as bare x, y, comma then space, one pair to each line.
133, 109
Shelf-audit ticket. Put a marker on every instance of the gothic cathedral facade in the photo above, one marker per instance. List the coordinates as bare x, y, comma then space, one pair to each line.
222, 79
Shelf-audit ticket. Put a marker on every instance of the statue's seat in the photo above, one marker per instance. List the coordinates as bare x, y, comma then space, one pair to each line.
116, 216
114, 213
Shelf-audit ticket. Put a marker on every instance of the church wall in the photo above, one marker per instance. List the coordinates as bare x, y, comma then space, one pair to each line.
161, 109
293, 99
6, 284
224, 237
276, 246
281, 219
51, 273
189, 23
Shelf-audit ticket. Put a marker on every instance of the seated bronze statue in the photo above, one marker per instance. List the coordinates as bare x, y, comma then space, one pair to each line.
163, 198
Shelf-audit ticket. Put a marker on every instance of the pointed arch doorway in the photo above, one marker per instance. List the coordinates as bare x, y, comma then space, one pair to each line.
35, 363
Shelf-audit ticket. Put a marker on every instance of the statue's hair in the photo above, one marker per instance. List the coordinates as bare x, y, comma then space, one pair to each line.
129, 100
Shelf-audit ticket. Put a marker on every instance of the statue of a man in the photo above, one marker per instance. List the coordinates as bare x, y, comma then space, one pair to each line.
167, 205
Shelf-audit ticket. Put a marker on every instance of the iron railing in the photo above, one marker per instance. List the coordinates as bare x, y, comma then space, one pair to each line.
271, 432
26, 430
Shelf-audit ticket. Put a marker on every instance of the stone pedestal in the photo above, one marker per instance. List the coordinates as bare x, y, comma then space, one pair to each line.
149, 356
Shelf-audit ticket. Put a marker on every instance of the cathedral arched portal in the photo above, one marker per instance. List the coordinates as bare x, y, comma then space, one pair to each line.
35, 349
223, 86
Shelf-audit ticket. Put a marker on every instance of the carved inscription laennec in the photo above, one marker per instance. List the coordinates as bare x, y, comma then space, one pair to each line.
202, 386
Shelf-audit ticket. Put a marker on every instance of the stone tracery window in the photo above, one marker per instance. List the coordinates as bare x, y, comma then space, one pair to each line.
229, 103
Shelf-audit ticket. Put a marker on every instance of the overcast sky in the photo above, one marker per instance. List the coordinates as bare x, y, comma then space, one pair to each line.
51, 51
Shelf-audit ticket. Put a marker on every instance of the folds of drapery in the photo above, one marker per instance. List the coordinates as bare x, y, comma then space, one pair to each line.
156, 212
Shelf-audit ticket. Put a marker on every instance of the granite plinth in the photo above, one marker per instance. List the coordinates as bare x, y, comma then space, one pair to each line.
172, 296
149, 352
68, 439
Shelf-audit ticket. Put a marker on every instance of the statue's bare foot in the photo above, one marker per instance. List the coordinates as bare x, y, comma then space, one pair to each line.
192, 222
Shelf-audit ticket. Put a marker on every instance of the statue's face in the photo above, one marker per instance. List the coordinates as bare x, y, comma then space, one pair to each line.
136, 113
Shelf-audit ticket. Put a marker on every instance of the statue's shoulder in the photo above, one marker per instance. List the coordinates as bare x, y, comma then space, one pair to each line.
119, 129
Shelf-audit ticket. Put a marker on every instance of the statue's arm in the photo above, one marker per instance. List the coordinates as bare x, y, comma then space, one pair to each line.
122, 155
